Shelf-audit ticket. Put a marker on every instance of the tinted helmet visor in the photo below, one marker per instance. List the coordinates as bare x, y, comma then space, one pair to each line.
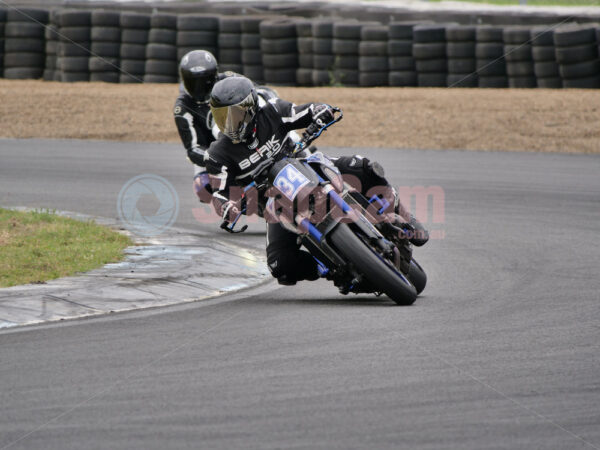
233, 120
199, 87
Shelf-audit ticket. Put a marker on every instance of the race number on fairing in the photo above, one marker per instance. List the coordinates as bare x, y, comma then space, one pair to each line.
290, 181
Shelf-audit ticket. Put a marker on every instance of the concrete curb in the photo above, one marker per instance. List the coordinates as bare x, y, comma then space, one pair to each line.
175, 267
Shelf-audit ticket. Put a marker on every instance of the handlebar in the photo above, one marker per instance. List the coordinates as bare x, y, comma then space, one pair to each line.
308, 139
229, 226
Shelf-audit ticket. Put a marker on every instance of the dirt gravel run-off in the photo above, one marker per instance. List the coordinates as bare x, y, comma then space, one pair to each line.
561, 120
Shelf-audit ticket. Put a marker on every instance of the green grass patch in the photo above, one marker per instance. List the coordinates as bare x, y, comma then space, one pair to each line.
39, 246
535, 2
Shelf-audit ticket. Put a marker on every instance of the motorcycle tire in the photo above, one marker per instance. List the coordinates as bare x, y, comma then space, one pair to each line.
374, 267
417, 276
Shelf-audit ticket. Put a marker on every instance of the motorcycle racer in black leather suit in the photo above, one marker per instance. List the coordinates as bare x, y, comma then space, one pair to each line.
254, 130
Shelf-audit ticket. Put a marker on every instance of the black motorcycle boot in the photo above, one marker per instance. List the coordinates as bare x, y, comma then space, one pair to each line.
418, 234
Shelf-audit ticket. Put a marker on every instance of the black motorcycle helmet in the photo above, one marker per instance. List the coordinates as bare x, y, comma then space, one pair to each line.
234, 104
198, 72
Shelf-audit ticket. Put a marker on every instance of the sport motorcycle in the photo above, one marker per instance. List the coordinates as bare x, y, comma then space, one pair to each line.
347, 233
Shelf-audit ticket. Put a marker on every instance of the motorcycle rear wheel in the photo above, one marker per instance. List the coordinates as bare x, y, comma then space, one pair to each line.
378, 271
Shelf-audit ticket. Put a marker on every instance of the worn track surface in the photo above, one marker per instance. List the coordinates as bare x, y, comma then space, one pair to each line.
499, 352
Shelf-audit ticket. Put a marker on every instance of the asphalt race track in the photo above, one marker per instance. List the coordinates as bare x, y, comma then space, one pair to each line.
501, 351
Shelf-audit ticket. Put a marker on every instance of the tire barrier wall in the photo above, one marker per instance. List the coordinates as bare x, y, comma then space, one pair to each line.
67, 44
230, 44
24, 43
161, 51
401, 63
135, 30
489, 57
519, 58
251, 55
373, 56
576, 52
429, 51
305, 53
51, 72
346, 48
74, 44
460, 50
323, 58
197, 31
279, 48
105, 36
545, 66
2, 25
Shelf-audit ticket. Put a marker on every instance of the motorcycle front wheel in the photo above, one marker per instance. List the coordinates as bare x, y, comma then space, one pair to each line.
417, 276
379, 271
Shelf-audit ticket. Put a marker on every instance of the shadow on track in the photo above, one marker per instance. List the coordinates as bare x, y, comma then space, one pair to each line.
354, 301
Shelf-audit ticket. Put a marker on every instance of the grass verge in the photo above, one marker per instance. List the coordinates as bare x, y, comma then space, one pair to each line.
39, 246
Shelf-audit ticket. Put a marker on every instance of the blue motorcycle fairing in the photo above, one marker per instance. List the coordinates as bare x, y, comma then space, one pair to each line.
290, 181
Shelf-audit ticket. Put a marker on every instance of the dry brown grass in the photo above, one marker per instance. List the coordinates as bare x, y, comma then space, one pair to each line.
4, 237
472, 119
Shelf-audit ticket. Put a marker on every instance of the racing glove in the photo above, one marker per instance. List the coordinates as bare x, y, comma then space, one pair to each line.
229, 211
322, 115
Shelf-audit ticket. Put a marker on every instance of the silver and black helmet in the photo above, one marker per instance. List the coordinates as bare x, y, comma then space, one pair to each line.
234, 103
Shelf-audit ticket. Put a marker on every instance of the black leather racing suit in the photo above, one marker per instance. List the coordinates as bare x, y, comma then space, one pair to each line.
194, 123
231, 165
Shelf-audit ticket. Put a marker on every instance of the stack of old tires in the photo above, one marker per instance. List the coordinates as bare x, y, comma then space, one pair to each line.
460, 50
577, 56
2, 24
161, 51
400, 58
135, 29
230, 44
51, 34
545, 66
519, 60
24, 43
323, 57
251, 55
305, 53
429, 51
104, 61
373, 59
345, 45
279, 51
197, 32
490, 61
74, 44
